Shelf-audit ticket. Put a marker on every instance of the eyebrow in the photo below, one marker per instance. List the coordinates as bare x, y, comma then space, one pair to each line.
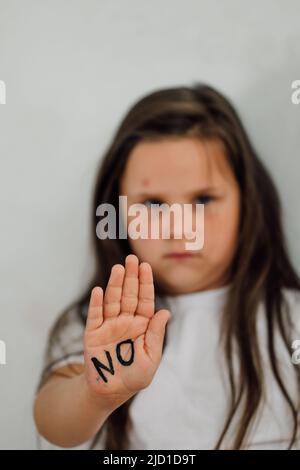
207, 189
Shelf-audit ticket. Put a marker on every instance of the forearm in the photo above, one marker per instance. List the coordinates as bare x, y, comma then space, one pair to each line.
66, 413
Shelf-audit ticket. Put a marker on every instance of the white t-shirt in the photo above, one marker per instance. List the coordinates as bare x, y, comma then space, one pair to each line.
186, 404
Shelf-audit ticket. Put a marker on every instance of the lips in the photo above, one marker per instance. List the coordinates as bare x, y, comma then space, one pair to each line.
180, 255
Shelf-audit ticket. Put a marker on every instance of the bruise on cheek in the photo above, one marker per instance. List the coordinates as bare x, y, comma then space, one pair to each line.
145, 182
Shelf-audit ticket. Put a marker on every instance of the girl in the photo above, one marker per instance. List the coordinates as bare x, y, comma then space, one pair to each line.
170, 349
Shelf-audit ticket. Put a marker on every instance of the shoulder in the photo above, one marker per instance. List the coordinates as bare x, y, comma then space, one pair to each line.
292, 297
65, 339
69, 325
292, 302
290, 312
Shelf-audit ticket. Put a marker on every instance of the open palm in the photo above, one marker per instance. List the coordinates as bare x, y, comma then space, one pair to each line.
124, 336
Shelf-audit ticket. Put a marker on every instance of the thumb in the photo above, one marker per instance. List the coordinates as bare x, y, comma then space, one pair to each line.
155, 334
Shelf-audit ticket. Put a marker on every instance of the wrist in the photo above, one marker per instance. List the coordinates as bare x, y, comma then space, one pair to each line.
105, 402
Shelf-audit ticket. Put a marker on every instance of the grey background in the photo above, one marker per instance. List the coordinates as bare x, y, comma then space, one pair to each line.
72, 69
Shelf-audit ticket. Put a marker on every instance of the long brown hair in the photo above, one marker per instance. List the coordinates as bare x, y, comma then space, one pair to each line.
261, 267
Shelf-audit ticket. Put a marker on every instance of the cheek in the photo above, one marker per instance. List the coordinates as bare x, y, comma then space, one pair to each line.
221, 230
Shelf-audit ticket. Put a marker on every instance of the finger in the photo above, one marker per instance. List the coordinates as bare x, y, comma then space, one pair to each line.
95, 310
130, 290
113, 292
155, 334
145, 305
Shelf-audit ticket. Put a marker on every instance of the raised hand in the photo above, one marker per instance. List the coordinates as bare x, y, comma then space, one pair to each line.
124, 336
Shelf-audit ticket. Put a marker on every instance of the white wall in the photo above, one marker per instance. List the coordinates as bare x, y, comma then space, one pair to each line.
72, 68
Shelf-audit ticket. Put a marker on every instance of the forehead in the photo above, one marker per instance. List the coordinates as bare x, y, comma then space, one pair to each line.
180, 162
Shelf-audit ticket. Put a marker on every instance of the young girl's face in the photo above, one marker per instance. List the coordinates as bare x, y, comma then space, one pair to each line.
185, 170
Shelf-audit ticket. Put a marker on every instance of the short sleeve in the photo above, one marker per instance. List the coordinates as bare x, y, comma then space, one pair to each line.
65, 343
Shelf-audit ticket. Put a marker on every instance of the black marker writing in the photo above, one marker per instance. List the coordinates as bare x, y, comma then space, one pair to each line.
118, 352
99, 365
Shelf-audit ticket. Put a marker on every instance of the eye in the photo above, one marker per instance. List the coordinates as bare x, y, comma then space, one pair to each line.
148, 202
204, 199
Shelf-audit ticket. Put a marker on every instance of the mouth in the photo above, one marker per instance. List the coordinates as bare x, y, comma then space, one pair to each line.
180, 255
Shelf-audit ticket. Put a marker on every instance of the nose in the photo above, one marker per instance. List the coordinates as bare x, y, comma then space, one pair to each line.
185, 222
176, 220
